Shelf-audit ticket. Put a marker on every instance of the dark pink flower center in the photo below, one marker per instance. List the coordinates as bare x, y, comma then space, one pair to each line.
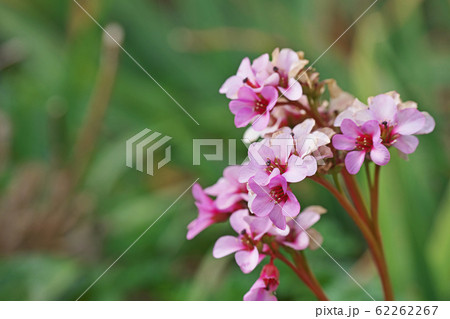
271, 165
364, 143
260, 105
278, 195
247, 240
387, 135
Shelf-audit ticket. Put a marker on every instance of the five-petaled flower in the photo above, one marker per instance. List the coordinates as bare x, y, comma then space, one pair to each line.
361, 140
247, 245
252, 106
275, 200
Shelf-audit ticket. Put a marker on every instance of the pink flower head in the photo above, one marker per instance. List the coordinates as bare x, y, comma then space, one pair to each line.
398, 125
399, 121
208, 213
363, 140
247, 245
253, 106
275, 200
300, 233
228, 190
278, 156
250, 75
286, 65
264, 287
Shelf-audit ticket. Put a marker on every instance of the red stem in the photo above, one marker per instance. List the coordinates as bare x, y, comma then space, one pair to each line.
372, 241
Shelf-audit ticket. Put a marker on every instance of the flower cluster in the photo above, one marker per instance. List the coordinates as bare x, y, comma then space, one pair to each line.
296, 135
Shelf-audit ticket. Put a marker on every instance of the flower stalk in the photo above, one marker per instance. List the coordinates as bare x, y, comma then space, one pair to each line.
297, 135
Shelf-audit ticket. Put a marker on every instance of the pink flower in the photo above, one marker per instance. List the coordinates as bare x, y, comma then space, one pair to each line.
264, 287
275, 200
300, 232
399, 121
364, 140
280, 156
250, 229
286, 65
208, 213
250, 75
398, 125
253, 106
228, 190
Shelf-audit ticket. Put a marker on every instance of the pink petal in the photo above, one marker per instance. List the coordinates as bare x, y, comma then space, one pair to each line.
259, 295
294, 90
354, 160
429, 124
227, 245
247, 260
225, 201
247, 94
282, 145
372, 128
285, 60
297, 169
409, 121
238, 222
301, 241
197, 226
349, 128
343, 142
291, 207
270, 94
384, 108
245, 68
304, 128
259, 226
380, 155
307, 218
262, 205
231, 86
236, 105
261, 121
406, 143
277, 217
261, 63
243, 117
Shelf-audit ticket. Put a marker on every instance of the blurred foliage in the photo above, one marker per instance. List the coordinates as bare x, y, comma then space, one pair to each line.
50, 57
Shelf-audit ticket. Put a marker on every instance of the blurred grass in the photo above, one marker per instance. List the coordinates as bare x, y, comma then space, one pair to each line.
190, 47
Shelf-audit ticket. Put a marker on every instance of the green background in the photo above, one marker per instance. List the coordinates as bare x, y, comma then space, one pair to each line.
54, 243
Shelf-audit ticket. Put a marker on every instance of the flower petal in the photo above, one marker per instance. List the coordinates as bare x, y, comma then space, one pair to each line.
262, 205
409, 121
343, 142
238, 222
380, 155
291, 207
243, 117
247, 260
307, 218
349, 128
406, 143
227, 245
354, 160
294, 90
384, 108
429, 124
277, 217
